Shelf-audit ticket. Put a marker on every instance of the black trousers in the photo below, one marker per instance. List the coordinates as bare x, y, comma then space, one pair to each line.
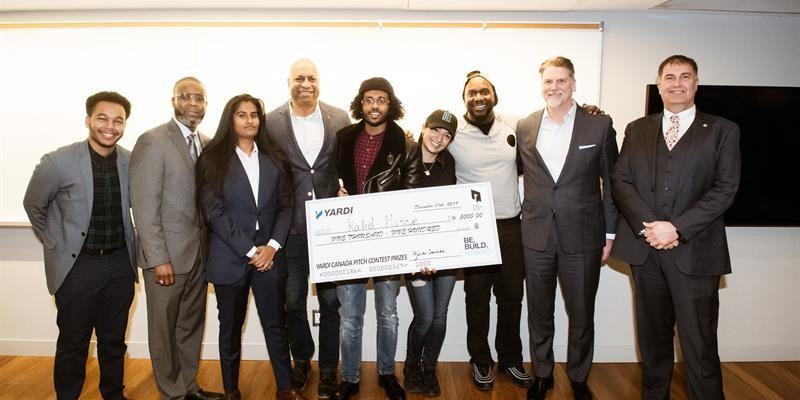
96, 295
664, 296
579, 275
506, 281
301, 341
269, 292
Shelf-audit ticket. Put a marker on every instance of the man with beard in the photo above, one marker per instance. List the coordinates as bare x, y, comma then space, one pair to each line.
486, 152
172, 241
569, 219
305, 129
77, 202
374, 155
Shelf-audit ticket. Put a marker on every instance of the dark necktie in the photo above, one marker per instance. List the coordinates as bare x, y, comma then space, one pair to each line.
192, 147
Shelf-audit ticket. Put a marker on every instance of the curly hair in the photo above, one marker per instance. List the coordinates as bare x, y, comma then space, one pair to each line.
396, 110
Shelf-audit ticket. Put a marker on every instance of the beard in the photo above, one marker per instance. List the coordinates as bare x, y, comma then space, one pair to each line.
380, 121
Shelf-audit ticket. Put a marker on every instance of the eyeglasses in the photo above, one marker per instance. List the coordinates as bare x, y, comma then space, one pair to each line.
370, 101
185, 97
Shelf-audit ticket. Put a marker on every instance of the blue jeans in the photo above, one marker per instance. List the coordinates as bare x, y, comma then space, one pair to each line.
300, 339
353, 300
430, 297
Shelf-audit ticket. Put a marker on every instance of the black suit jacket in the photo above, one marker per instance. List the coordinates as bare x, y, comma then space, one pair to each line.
231, 217
575, 203
706, 187
322, 176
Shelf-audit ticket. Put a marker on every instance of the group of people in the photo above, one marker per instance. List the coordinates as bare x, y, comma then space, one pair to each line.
229, 210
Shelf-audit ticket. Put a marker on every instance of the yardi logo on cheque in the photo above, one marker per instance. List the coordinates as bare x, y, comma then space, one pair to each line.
329, 212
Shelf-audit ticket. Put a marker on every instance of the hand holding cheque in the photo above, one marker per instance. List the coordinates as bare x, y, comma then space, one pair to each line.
401, 232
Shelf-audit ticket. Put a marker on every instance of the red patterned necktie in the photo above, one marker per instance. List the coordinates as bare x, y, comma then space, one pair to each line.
671, 136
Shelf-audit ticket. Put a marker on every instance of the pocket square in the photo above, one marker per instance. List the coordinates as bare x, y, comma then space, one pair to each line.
586, 146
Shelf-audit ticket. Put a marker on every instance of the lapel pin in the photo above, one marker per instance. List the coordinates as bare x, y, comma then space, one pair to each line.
705, 125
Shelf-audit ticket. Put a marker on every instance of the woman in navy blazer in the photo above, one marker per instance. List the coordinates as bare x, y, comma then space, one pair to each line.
244, 193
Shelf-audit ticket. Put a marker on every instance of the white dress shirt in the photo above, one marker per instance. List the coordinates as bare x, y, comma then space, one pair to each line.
553, 140
309, 132
685, 117
251, 169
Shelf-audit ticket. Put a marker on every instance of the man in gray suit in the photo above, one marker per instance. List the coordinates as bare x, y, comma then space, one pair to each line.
172, 241
305, 129
78, 204
569, 220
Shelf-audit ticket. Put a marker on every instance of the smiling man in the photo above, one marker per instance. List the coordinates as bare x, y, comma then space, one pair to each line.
172, 241
374, 155
78, 204
569, 221
677, 174
486, 151
305, 129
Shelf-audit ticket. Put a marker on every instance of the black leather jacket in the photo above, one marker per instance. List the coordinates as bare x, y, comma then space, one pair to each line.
397, 165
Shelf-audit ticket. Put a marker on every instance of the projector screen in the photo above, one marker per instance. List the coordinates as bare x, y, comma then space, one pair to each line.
48, 71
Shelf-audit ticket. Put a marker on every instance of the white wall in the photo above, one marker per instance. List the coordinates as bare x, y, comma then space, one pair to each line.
760, 301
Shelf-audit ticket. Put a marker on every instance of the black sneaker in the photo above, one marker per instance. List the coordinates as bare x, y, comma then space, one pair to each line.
482, 376
300, 374
412, 378
327, 385
393, 389
346, 390
430, 383
519, 376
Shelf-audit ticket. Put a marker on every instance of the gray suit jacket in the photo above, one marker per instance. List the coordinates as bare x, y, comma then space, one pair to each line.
59, 200
575, 203
169, 226
322, 177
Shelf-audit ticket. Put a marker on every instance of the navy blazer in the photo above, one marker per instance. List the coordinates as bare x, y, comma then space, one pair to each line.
231, 217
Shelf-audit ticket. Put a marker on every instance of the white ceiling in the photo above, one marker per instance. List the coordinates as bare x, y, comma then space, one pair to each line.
759, 6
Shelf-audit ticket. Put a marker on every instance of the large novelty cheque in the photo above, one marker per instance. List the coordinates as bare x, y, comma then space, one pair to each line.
401, 231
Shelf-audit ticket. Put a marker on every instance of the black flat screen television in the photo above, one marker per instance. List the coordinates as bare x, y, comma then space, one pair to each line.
770, 143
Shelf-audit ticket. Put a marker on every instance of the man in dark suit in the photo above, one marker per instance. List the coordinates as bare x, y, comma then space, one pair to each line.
172, 241
305, 129
78, 204
567, 157
677, 174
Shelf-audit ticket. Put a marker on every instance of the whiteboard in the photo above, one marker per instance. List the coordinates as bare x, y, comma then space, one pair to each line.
47, 73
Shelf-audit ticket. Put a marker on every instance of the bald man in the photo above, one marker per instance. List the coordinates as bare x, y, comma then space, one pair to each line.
305, 129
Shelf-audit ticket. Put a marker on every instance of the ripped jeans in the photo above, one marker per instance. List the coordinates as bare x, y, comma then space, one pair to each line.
353, 299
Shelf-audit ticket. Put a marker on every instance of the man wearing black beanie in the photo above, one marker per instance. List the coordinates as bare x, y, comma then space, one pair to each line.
374, 155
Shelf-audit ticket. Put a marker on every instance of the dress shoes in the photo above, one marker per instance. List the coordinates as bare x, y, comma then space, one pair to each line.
232, 396
300, 374
580, 391
347, 390
539, 388
289, 394
393, 389
201, 394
